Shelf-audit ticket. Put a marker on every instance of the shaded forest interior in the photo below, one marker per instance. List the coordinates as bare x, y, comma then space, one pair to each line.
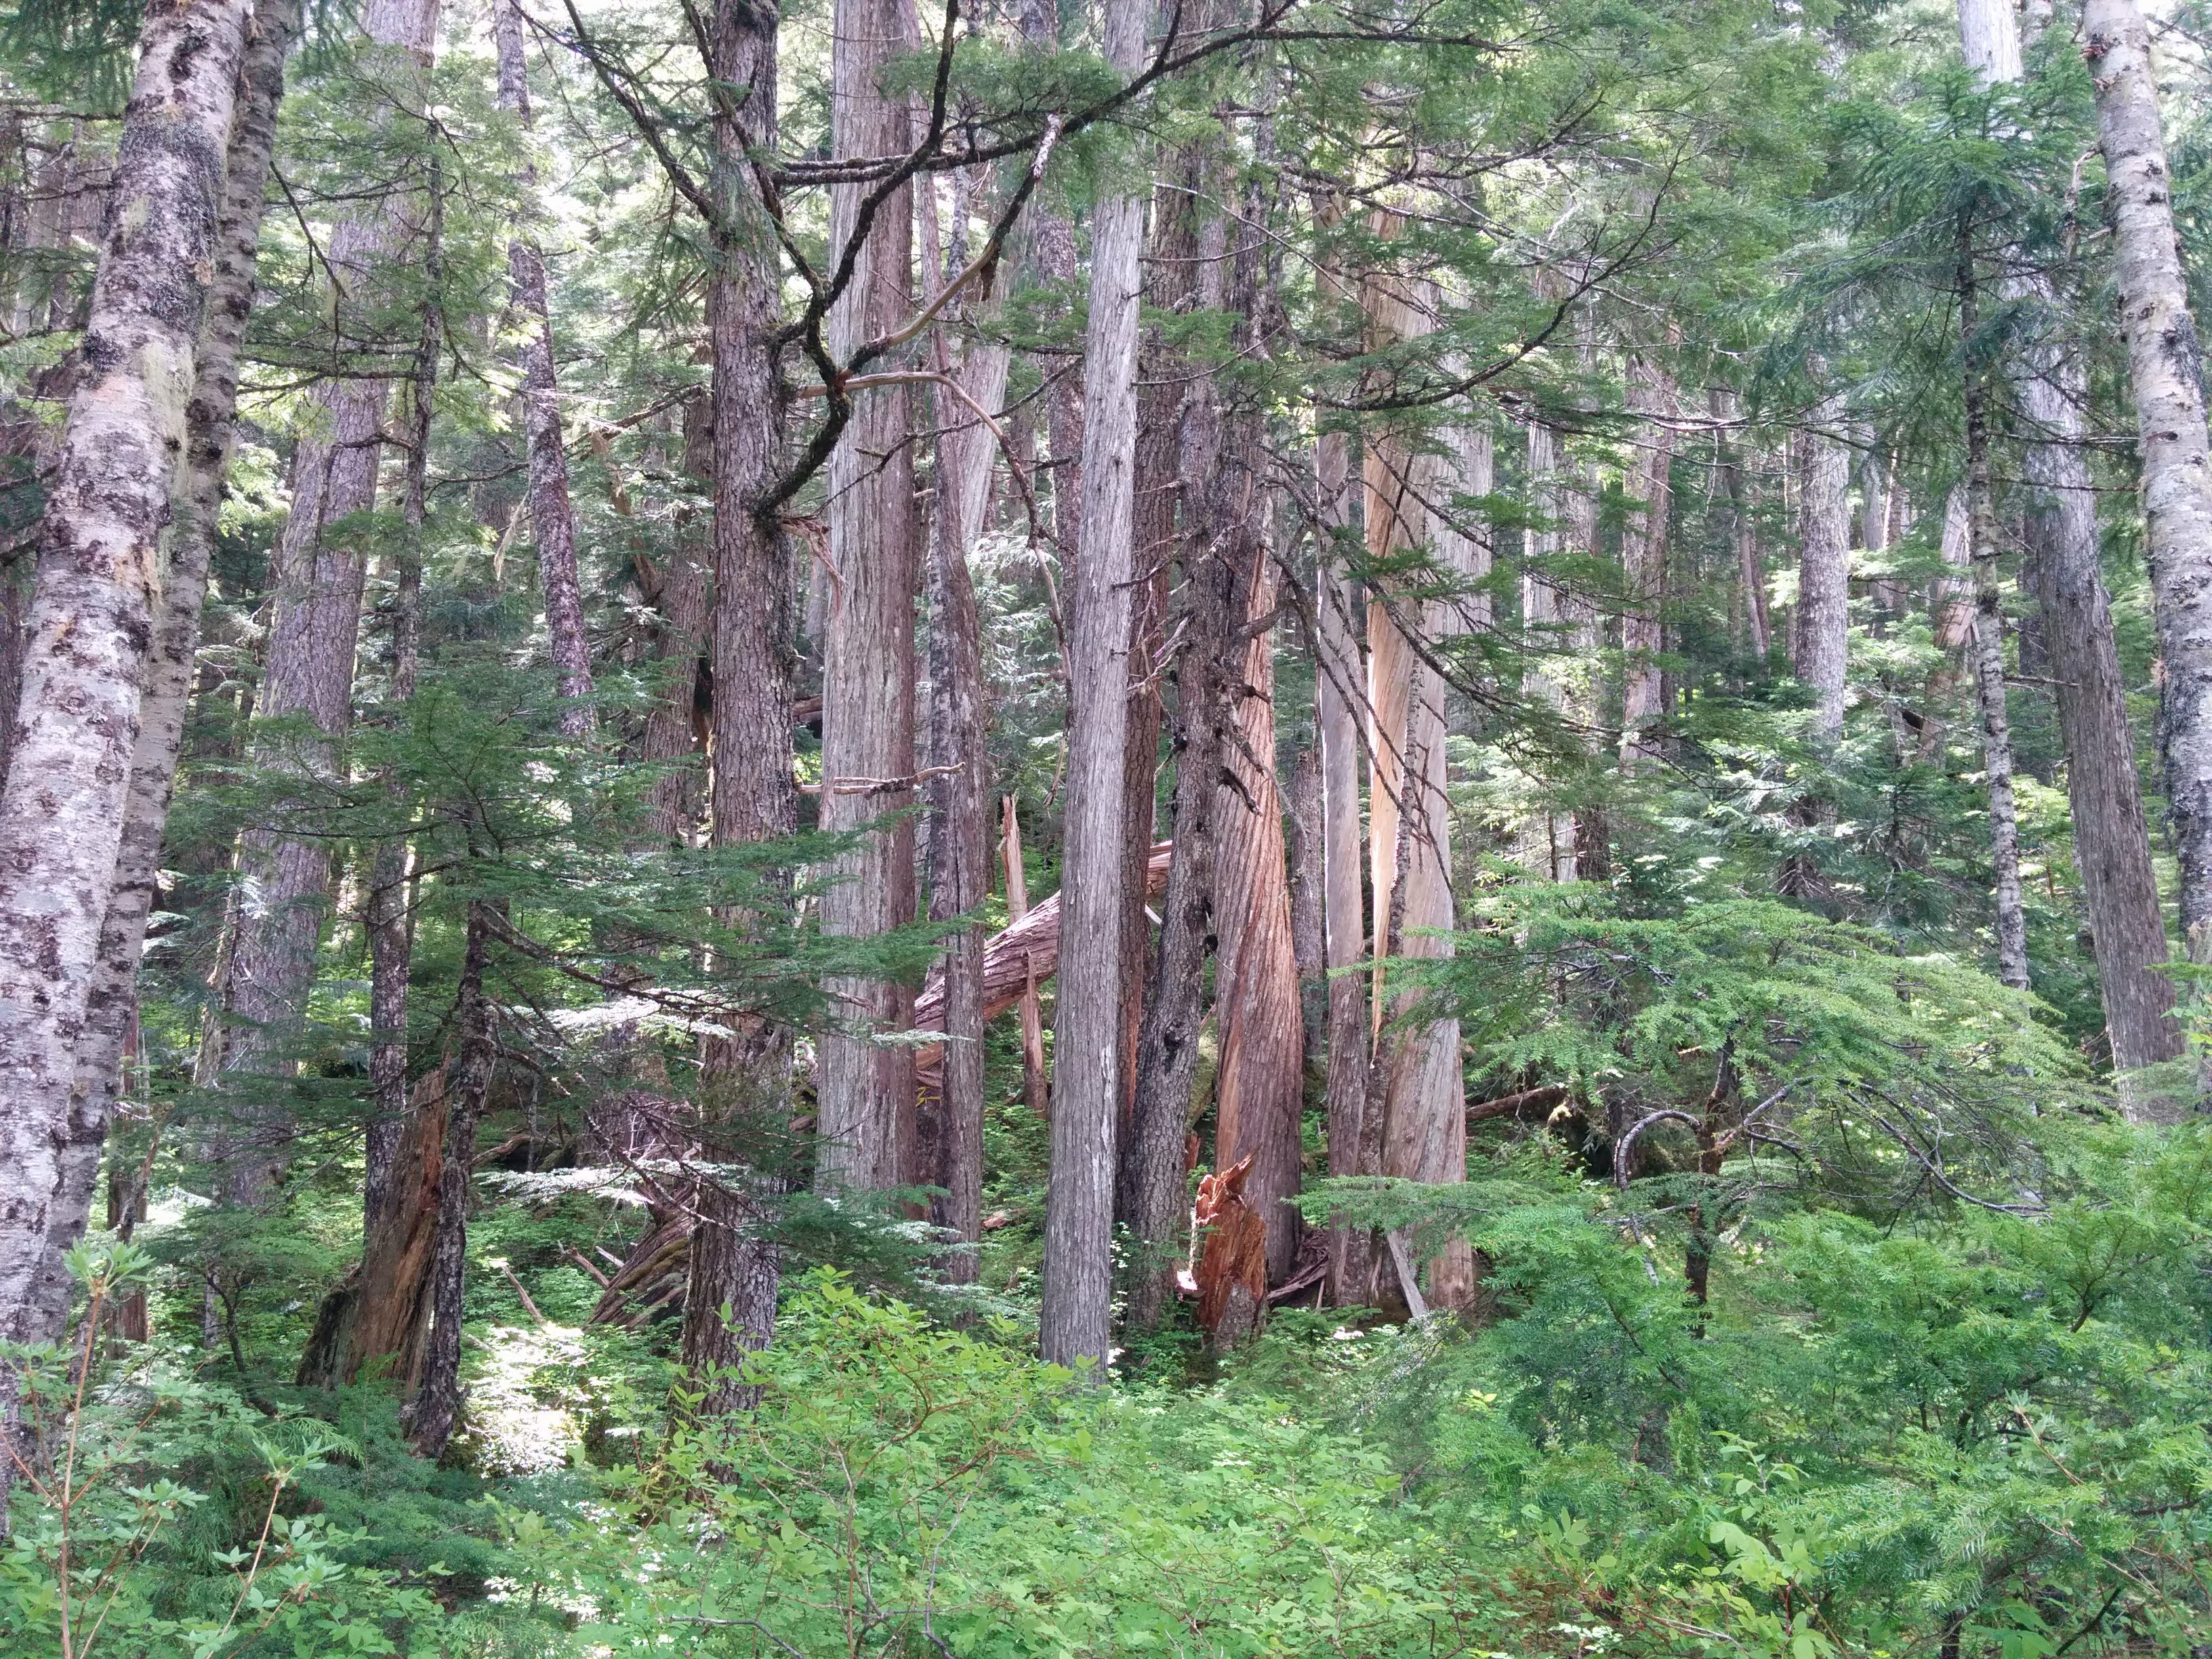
1081, 827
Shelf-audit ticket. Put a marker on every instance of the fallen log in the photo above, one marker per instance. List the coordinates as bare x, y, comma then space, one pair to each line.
1031, 946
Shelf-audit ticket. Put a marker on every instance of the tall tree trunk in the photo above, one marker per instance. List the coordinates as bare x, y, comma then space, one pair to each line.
390, 933
1548, 838
284, 880
1258, 1017
681, 594
430, 1416
69, 793
1075, 1319
959, 799
1644, 558
867, 1121
1153, 1177
1339, 696
1824, 580
1751, 570
2165, 373
1424, 1129
734, 1262
552, 520
1051, 240
1989, 647
1951, 604
112, 1004
2111, 843
2164, 370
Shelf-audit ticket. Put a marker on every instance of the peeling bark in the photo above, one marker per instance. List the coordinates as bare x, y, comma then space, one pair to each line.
866, 1119
2166, 374
63, 813
112, 1004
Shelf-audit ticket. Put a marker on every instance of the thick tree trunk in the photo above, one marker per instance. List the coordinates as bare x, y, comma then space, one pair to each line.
1075, 1319
112, 1004
1154, 1182
1258, 1017
733, 1262
2111, 843
552, 519
1424, 1129
2165, 371
959, 800
1824, 580
1644, 559
867, 1118
284, 881
68, 798
431, 1414
390, 933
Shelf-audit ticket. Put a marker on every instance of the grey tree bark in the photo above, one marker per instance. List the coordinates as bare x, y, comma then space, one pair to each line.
68, 797
1644, 558
730, 1309
166, 701
867, 1116
959, 799
1989, 657
284, 887
1075, 1318
2165, 373
2111, 843
431, 1415
552, 518
1822, 635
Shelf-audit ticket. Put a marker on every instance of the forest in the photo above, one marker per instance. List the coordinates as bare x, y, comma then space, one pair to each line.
1003, 827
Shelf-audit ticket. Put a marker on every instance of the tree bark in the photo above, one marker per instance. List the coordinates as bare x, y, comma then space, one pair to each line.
1338, 696
388, 922
112, 1004
1075, 1318
1644, 559
730, 1306
1824, 580
1547, 839
68, 797
552, 519
429, 1417
1035, 1085
959, 800
2165, 372
1989, 652
1052, 256
1424, 1129
866, 1117
2111, 843
284, 880
681, 594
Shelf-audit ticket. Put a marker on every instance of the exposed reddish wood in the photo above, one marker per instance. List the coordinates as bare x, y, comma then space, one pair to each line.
1031, 944
1233, 1259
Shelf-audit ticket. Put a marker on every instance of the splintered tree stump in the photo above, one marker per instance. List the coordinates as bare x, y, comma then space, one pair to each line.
1233, 1259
